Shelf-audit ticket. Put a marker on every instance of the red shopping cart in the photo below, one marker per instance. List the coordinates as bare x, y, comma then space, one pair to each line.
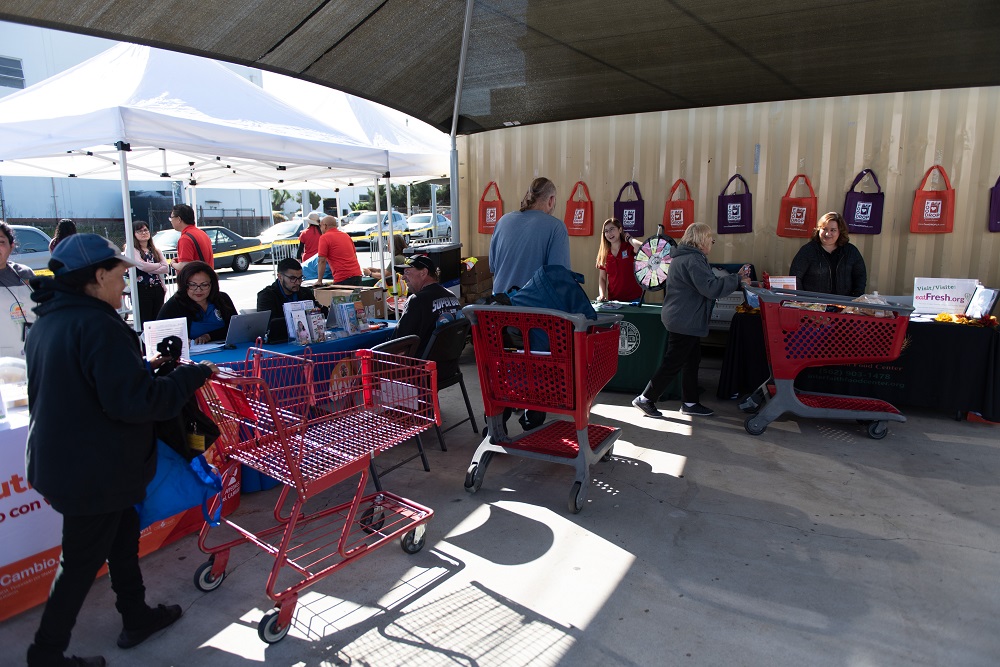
310, 424
551, 361
800, 331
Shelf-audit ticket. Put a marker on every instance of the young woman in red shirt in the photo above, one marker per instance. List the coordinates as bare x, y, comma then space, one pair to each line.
615, 260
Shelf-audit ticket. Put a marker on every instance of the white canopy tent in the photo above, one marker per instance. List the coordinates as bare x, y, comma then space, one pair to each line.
143, 113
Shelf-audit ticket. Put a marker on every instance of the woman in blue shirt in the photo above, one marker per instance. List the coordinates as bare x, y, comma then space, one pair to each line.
198, 298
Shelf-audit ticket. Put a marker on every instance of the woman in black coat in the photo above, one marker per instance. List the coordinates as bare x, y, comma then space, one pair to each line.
199, 300
829, 263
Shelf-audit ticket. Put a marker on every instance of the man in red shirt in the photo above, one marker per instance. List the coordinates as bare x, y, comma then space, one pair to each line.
337, 249
193, 243
309, 238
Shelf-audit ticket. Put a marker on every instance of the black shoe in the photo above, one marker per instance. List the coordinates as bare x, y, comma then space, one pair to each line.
157, 619
43, 658
697, 410
647, 406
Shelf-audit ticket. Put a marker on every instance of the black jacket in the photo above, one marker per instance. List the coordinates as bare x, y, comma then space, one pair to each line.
812, 268
93, 401
273, 299
174, 307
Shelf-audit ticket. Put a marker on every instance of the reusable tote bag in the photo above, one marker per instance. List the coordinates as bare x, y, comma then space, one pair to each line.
863, 210
579, 217
178, 486
490, 210
736, 211
994, 225
678, 214
797, 216
933, 210
631, 213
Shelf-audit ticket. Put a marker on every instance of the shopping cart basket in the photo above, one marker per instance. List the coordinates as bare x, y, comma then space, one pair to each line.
311, 425
554, 362
797, 338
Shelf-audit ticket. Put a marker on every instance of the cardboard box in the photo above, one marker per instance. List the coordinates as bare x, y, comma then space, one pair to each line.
478, 272
481, 286
372, 298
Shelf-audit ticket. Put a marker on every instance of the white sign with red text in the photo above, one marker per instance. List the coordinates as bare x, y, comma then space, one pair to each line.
942, 295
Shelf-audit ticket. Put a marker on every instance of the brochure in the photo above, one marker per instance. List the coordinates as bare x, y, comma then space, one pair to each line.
155, 331
291, 323
982, 302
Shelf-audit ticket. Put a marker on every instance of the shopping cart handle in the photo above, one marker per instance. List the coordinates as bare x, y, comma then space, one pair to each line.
780, 295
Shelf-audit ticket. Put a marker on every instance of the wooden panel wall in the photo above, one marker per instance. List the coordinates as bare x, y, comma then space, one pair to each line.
830, 140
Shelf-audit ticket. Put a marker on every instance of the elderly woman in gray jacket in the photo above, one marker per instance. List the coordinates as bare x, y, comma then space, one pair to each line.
691, 290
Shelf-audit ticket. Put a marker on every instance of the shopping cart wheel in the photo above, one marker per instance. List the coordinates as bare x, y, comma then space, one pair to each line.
372, 521
752, 427
268, 629
877, 430
577, 497
476, 472
413, 541
608, 454
203, 579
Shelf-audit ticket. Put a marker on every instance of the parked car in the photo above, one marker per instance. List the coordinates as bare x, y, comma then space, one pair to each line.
350, 217
290, 229
223, 241
420, 226
367, 223
31, 247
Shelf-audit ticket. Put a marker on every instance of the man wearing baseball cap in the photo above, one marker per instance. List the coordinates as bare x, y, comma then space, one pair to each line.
91, 445
429, 304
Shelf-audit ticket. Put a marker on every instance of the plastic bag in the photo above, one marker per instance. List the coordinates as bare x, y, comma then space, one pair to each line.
874, 299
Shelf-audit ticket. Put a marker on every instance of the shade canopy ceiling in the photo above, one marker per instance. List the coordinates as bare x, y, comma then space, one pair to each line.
533, 61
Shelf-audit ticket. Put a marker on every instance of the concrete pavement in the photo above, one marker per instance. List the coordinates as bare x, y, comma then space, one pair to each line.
699, 545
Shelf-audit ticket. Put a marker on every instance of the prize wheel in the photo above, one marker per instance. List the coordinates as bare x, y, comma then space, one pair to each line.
652, 261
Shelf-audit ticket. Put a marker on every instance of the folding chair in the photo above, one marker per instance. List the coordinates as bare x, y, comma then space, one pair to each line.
445, 347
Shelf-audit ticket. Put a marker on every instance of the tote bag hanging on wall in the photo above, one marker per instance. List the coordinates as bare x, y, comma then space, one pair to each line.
736, 211
797, 216
678, 214
933, 210
863, 210
579, 217
490, 210
994, 224
631, 213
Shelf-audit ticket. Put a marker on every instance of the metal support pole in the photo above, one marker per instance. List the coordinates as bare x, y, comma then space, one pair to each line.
456, 233
123, 149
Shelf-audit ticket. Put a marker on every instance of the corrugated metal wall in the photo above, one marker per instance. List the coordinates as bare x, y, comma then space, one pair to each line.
830, 140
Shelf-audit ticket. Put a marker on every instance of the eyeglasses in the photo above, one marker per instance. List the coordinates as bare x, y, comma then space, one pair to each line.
291, 279
199, 287
172, 216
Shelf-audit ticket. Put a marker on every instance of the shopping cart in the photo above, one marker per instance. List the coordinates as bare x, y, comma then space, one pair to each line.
312, 422
551, 361
797, 338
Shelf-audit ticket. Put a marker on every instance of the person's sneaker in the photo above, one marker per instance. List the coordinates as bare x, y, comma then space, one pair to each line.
697, 410
159, 618
647, 407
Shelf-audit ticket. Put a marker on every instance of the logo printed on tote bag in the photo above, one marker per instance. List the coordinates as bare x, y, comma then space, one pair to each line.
863, 213
578, 216
932, 209
629, 217
798, 216
733, 213
491, 215
677, 218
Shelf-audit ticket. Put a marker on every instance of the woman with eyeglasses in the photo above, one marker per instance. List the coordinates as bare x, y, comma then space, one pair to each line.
198, 298
829, 263
150, 267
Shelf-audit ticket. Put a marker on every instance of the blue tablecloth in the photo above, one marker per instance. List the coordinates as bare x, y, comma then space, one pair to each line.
357, 342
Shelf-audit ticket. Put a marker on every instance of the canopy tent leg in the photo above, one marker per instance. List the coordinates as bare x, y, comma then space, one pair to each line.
123, 149
456, 233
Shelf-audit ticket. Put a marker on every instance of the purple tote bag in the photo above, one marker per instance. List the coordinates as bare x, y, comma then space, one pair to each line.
863, 210
995, 207
631, 213
736, 211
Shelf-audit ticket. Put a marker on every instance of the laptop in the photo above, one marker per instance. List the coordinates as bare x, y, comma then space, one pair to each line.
247, 328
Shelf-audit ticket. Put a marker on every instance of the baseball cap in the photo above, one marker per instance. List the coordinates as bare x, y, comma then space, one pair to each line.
417, 262
82, 250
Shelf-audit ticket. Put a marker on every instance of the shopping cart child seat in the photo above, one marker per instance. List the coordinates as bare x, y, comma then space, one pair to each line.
550, 361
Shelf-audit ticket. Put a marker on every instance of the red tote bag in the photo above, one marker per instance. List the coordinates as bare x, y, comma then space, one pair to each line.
933, 210
490, 210
579, 218
678, 214
797, 216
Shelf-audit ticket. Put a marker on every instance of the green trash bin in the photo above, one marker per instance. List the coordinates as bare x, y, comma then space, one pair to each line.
640, 350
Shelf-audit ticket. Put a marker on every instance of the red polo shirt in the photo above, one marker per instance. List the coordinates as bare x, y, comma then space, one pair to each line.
187, 251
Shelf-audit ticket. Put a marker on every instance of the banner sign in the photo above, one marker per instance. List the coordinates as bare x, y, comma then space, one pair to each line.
942, 295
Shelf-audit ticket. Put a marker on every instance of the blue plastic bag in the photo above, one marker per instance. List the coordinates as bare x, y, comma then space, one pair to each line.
178, 486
